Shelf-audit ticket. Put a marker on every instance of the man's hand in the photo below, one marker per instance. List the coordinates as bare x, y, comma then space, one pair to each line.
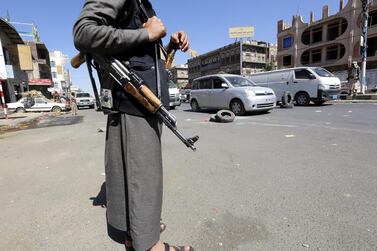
179, 40
156, 29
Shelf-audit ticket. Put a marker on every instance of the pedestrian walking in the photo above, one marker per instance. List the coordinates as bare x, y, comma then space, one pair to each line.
133, 159
73, 103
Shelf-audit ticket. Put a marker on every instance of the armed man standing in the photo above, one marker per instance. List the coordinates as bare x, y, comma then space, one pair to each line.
133, 159
353, 78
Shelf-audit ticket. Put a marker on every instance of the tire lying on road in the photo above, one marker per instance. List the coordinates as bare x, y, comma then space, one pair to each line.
287, 100
223, 116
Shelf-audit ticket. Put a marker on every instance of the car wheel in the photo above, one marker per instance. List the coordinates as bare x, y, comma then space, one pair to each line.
225, 116
20, 110
237, 107
302, 98
56, 109
195, 106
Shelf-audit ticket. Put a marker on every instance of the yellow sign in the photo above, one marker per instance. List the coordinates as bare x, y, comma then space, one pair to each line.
24, 57
239, 32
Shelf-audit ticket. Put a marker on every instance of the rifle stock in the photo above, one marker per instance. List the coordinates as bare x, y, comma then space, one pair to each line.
78, 60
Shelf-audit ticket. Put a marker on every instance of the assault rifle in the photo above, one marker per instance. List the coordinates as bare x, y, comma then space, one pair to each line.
134, 85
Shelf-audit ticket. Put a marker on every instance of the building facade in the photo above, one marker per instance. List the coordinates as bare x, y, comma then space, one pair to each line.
243, 58
60, 75
332, 42
179, 75
39, 76
12, 76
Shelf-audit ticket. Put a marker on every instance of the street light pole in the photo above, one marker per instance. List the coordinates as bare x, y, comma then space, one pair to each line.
364, 46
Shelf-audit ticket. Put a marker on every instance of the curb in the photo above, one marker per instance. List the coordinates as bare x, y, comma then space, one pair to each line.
352, 101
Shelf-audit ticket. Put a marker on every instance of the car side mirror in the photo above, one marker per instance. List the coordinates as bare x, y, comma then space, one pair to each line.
311, 76
224, 85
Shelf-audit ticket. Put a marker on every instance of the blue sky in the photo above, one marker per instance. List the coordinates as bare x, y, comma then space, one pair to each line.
206, 21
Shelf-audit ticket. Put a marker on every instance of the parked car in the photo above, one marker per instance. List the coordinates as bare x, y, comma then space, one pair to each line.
234, 92
304, 83
174, 97
83, 99
36, 104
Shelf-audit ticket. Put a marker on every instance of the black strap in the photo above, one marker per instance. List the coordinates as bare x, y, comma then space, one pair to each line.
95, 90
156, 51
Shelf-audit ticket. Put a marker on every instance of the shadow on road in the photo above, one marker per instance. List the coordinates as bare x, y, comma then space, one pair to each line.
114, 233
100, 200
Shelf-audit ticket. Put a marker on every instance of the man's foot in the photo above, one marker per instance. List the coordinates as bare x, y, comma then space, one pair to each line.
128, 242
162, 246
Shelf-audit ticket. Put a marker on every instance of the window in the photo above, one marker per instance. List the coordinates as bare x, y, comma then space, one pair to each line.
332, 52
343, 25
372, 20
372, 46
195, 85
302, 74
205, 83
87, 95
287, 42
317, 35
53, 64
54, 75
6, 56
287, 60
323, 73
316, 56
217, 83
40, 101
305, 57
332, 31
306, 37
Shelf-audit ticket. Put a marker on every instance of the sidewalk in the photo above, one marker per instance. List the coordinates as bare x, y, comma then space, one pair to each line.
359, 99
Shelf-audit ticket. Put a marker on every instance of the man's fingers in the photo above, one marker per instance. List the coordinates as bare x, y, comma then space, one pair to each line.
181, 40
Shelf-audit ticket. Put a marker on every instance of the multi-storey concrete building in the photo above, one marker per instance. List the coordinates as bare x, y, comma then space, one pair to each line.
40, 75
180, 75
243, 57
60, 75
332, 42
12, 76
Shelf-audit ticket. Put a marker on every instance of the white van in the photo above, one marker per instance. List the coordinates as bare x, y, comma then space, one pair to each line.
234, 92
174, 96
304, 83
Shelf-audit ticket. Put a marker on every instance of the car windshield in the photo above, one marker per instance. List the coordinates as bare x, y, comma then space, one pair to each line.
82, 95
238, 81
323, 73
172, 85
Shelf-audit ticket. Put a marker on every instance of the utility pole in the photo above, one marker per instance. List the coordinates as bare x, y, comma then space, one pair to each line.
363, 43
241, 57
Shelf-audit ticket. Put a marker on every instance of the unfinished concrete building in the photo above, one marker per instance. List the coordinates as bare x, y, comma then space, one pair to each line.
332, 42
40, 75
243, 58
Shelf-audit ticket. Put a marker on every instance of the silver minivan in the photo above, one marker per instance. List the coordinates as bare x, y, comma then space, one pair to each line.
234, 92
304, 83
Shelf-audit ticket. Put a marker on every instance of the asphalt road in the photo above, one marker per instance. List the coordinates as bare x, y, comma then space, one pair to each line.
293, 179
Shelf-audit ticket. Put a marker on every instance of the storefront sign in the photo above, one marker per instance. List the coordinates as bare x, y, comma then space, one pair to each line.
38, 81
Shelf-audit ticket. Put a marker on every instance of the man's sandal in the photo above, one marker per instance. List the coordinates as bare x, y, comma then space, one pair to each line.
179, 248
128, 241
